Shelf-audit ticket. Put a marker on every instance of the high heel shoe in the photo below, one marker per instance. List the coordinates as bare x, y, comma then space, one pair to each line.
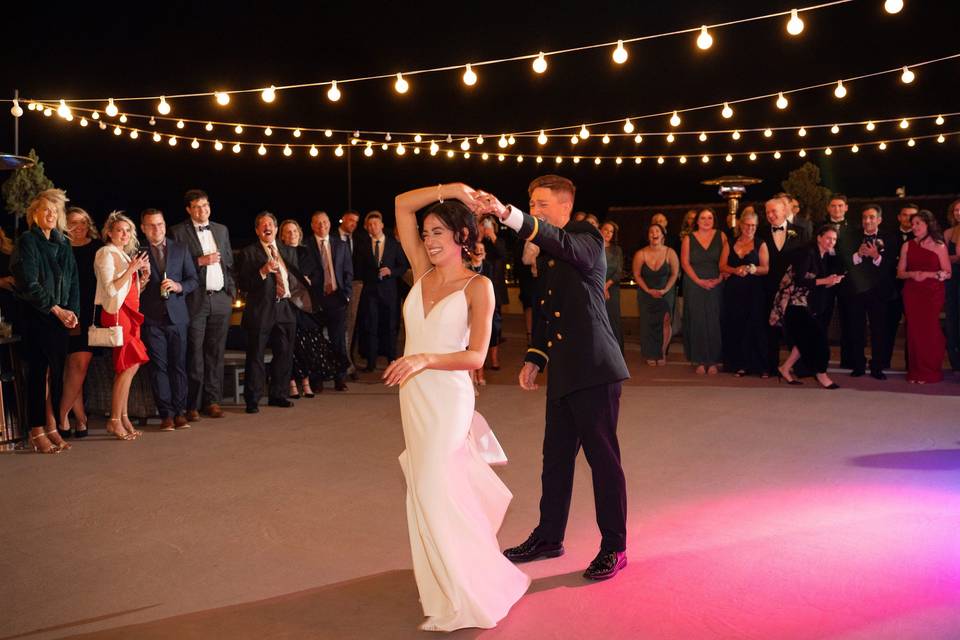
136, 433
119, 433
80, 431
37, 449
786, 378
832, 385
62, 446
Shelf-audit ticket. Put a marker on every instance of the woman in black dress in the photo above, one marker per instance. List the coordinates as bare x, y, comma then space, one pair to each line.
744, 318
611, 289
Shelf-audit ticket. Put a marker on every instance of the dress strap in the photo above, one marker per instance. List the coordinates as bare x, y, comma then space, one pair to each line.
424, 274
469, 281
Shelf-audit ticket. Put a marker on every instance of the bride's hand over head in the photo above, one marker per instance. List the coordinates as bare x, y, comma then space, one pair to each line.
464, 193
402, 368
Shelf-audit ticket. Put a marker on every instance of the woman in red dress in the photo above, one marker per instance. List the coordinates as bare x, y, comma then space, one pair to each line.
121, 274
924, 264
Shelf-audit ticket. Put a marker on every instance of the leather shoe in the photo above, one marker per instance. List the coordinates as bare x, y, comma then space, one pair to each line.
252, 407
214, 411
193, 415
606, 565
180, 422
533, 548
879, 375
339, 385
279, 402
856, 373
166, 424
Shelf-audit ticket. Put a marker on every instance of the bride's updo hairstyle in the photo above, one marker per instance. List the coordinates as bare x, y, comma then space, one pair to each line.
455, 215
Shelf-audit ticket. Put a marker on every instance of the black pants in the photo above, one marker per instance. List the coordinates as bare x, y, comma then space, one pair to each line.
167, 349
280, 338
378, 321
586, 418
335, 322
863, 307
207, 340
44, 348
807, 334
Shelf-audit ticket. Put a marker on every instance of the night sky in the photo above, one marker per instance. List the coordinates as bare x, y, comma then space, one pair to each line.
98, 50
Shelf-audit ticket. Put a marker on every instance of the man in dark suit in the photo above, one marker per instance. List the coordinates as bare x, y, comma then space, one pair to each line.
209, 305
265, 272
838, 298
783, 239
870, 262
587, 370
345, 231
165, 319
380, 263
330, 271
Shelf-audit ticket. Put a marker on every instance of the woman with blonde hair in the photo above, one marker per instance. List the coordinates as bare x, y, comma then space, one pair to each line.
45, 273
122, 273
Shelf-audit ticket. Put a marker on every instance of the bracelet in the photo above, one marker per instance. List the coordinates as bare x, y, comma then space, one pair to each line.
439, 193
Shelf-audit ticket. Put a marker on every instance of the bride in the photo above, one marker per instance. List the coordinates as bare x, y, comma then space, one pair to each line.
455, 501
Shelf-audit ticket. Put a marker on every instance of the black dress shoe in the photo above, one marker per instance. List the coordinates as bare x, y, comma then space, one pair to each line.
340, 385
856, 373
606, 565
533, 548
296, 396
879, 375
252, 407
279, 402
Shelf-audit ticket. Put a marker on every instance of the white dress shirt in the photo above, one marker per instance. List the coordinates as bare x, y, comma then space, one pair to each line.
284, 276
214, 280
326, 254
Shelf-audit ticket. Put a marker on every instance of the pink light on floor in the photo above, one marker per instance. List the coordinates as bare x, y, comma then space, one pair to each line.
812, 562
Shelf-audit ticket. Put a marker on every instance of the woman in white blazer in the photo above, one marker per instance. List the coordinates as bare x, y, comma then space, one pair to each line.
122, 273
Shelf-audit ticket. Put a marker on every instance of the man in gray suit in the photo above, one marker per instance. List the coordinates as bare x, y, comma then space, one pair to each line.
209, 305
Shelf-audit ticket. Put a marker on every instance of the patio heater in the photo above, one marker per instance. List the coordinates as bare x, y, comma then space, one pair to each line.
732, 188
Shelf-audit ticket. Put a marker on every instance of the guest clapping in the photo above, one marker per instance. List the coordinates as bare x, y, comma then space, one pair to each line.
45, 275
656, 268
122, 273
700, 257
744, 316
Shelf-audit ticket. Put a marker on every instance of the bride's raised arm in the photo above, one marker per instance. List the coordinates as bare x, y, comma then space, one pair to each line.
406, 206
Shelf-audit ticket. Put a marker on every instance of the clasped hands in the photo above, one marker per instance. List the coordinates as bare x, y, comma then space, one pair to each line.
478, 201
869, 250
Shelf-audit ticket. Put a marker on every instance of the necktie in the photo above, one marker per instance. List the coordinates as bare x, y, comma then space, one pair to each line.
160, 257
278, 276
329, 280
376, 251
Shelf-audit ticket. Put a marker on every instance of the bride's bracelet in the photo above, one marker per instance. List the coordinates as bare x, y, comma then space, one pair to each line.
440, 193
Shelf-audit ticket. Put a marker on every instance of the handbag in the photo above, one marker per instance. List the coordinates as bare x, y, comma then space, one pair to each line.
105, 336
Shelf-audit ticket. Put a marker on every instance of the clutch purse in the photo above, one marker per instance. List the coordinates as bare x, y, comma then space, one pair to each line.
105, 336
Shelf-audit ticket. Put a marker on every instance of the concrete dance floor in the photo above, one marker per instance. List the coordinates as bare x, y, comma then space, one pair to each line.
755, 511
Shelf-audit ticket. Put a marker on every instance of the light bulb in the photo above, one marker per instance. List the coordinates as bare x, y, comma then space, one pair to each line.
368, 151
163, 108
388, 137
558, 159
297, 133
83, 122
238, 128
450, 138
542, 138
670, 138
465, 145
597, 161
728, 158
882, 146
735, 135
941, 139
313, 151
539, 159
907, 76
434, 148
383, 146
63, 110
840, 91
660, 160
180, 124
32, 106
401, 149
794, 24
418, 138
511, 140
904, 123
637, 160
855, 149
727, 111
871, 126
195, 144
540, 63
782, 101
835, 129
95, 115
218, 145
209, 126
123, 118
156, 137
269, 94
333, 93
469, 76
401, 85
356, 134
117, 131
576, 159
450, 153
803, 153
574, 139
501, 157
683, 159
911, 142
620, 54
675, 119
502, 142
893, 6
328, 133
618, 160
704, 159
768, 133
48, 112
16, 110
752, 156
628, 126
828, 151
638, 138
338, 151
134, 135
802, 132
939, 120
479, 140
236, 148
262, 150
584, 132
776, 155
485, 156
223, 99
69, 117
605, 139
704, 40
702, 137
287, 151
111, 109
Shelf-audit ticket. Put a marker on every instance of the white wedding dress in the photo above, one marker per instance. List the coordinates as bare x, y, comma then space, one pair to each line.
455, 501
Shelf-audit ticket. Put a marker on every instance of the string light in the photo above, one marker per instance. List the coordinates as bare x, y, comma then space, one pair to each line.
728, 158
163, 108
218, 145
511, 140
287, 151
752, 156
134, 135
638, 138
269, 94
735, 135
465, 145
195, 144
782, 102
704, 159
794, 24
882, 146
314, 152
542, 138
835, 129
670, 138
727, 112
338, 151
904, 123
333, 93
501, 157
223, 99
939, 120
911, 142
802, 132
941, 139
209, 126
597, 160
683, 159
539, 159
704, 40
605, 139
618, 160
111, 109
123, 118
180, 124
238, 129
637, 160
172, 141
907, 76
870, 126
262, 150
117, 131
660, 160
434, 148
63, 110
484, 156
558, 159
628, 126
893, 6
840, 91
540, 63
584, 132
236, 148
620, 54
401, 85
83, 122
767, 133
702, 137
383, 146
268, 132
402, 150
776, 155
803, 153
156, 137
95, 115
828, 151
576, 159
855, 149
675, 119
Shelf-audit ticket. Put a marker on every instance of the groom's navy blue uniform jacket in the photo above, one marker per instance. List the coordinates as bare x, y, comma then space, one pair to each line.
571, 330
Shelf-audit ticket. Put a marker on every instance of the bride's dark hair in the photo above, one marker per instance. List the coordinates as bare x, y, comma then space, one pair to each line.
455, 215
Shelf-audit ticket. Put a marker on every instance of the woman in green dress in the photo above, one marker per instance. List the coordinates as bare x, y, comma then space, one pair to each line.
655, 270
611, 289
701, 254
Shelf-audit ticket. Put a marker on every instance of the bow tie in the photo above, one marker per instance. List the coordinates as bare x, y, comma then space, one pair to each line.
775, 229
203, 227
870, 237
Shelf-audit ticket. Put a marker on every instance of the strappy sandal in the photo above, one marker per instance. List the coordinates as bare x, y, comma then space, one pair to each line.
119, 435
63, 446
36, 449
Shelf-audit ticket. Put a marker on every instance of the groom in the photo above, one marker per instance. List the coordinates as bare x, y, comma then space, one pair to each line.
583, 395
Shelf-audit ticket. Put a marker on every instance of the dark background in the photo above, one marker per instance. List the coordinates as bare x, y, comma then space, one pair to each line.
97, 50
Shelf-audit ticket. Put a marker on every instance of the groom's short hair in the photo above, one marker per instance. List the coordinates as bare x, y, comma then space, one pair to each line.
554, 183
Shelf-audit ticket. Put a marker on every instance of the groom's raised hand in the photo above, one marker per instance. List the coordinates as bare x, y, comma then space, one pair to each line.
488, 203
528, 376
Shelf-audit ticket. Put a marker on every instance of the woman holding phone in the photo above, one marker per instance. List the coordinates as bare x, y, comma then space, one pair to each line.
122, 273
